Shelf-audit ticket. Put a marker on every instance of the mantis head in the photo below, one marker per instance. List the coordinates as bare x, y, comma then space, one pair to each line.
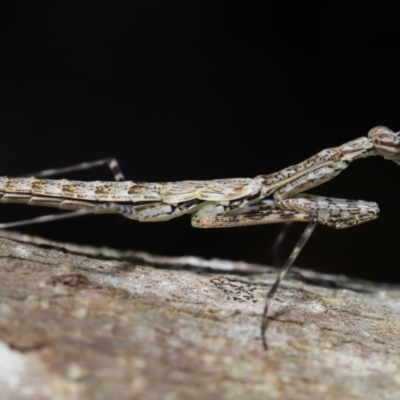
386, 143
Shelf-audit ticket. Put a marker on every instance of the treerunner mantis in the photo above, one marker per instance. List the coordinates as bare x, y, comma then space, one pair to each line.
273, 198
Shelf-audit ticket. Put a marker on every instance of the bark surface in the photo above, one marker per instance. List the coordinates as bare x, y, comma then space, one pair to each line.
106, 324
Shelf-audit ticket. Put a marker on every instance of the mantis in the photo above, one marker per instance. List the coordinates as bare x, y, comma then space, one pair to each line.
274, 198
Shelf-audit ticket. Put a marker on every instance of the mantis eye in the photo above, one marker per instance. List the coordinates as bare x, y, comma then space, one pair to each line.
378, 130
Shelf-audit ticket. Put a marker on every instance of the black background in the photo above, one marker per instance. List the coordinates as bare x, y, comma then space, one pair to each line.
202, 90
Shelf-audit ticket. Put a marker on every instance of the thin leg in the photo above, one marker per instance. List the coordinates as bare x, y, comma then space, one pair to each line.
111, 163
106, 208
278, 243
288, 264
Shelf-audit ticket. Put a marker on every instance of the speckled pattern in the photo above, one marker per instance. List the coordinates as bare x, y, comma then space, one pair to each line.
272, 198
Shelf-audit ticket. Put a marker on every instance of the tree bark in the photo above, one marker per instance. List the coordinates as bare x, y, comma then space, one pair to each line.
84, 323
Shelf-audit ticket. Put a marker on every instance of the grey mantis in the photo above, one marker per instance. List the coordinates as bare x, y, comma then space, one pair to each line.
265, 199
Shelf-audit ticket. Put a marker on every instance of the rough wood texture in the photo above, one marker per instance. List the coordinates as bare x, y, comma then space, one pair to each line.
113, 326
